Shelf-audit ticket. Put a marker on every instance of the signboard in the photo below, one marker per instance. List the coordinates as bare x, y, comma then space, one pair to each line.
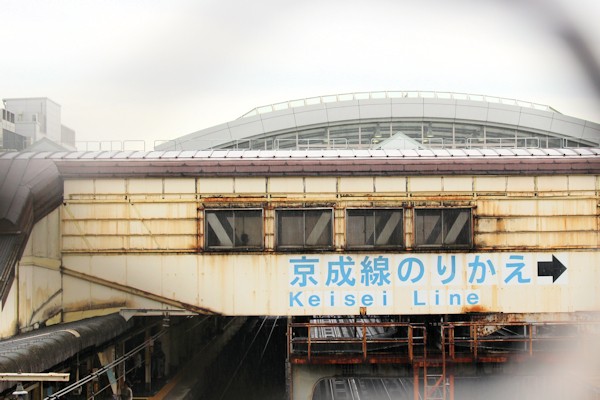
344, 284
458, 282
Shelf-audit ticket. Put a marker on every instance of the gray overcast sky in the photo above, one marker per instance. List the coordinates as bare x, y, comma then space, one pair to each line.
156, 70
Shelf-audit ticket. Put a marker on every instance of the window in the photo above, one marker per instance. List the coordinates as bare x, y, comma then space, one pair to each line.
234, 229
304, 229
444, 227
374, 228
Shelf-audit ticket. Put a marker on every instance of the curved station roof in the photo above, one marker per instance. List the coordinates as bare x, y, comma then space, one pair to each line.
395, 120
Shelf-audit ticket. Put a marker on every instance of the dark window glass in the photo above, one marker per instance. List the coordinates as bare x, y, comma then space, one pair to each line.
445, 227
234, 229
298, 229
374, 228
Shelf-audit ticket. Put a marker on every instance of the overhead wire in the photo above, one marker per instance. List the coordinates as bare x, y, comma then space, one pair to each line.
243, 358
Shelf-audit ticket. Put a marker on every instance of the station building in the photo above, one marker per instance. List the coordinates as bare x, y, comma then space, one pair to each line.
413, 241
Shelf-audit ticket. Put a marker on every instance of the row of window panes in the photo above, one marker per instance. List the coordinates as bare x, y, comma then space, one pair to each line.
431, 134
8, 116
298, 229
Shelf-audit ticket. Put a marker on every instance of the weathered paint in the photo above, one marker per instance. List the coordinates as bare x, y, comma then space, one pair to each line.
512, 215
267, 284
503, 220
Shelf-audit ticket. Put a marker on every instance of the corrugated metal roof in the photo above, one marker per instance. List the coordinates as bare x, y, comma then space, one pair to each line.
42, 349
284, 154
332, 162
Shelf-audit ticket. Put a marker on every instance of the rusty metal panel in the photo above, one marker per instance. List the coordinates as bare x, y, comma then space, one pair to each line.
40, 289
99, 210
44, 240
163, 210
175, 226
532, 207
537, 240
425, 283
536, 224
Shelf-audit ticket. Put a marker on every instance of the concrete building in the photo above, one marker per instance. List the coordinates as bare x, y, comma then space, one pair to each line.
9, 139
40, 117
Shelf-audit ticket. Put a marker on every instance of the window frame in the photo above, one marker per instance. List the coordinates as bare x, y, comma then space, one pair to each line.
443, 245
234, 247
304, 247
375, 246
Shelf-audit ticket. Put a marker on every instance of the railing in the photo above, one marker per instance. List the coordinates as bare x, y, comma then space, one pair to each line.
111, 145
504, 143
355, 341
311, 144
207, 144
350, 339
392, 95
460, 339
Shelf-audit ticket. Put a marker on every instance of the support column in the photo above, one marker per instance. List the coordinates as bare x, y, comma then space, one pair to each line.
147, 363
416, 382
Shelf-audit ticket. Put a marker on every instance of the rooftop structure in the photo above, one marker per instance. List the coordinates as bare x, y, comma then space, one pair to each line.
395, 120
38, 118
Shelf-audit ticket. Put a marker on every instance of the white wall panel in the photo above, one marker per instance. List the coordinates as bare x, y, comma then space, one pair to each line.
356, 185
286, 185
215, 185
250, 185
179, 185
457, 184
145, 186
385, 184
320, 185
425, 184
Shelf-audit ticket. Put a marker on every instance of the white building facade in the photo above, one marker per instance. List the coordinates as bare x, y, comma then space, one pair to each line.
38, 118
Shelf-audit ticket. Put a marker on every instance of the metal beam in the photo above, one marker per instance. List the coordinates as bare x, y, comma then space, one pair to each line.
137, 292
34, 377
